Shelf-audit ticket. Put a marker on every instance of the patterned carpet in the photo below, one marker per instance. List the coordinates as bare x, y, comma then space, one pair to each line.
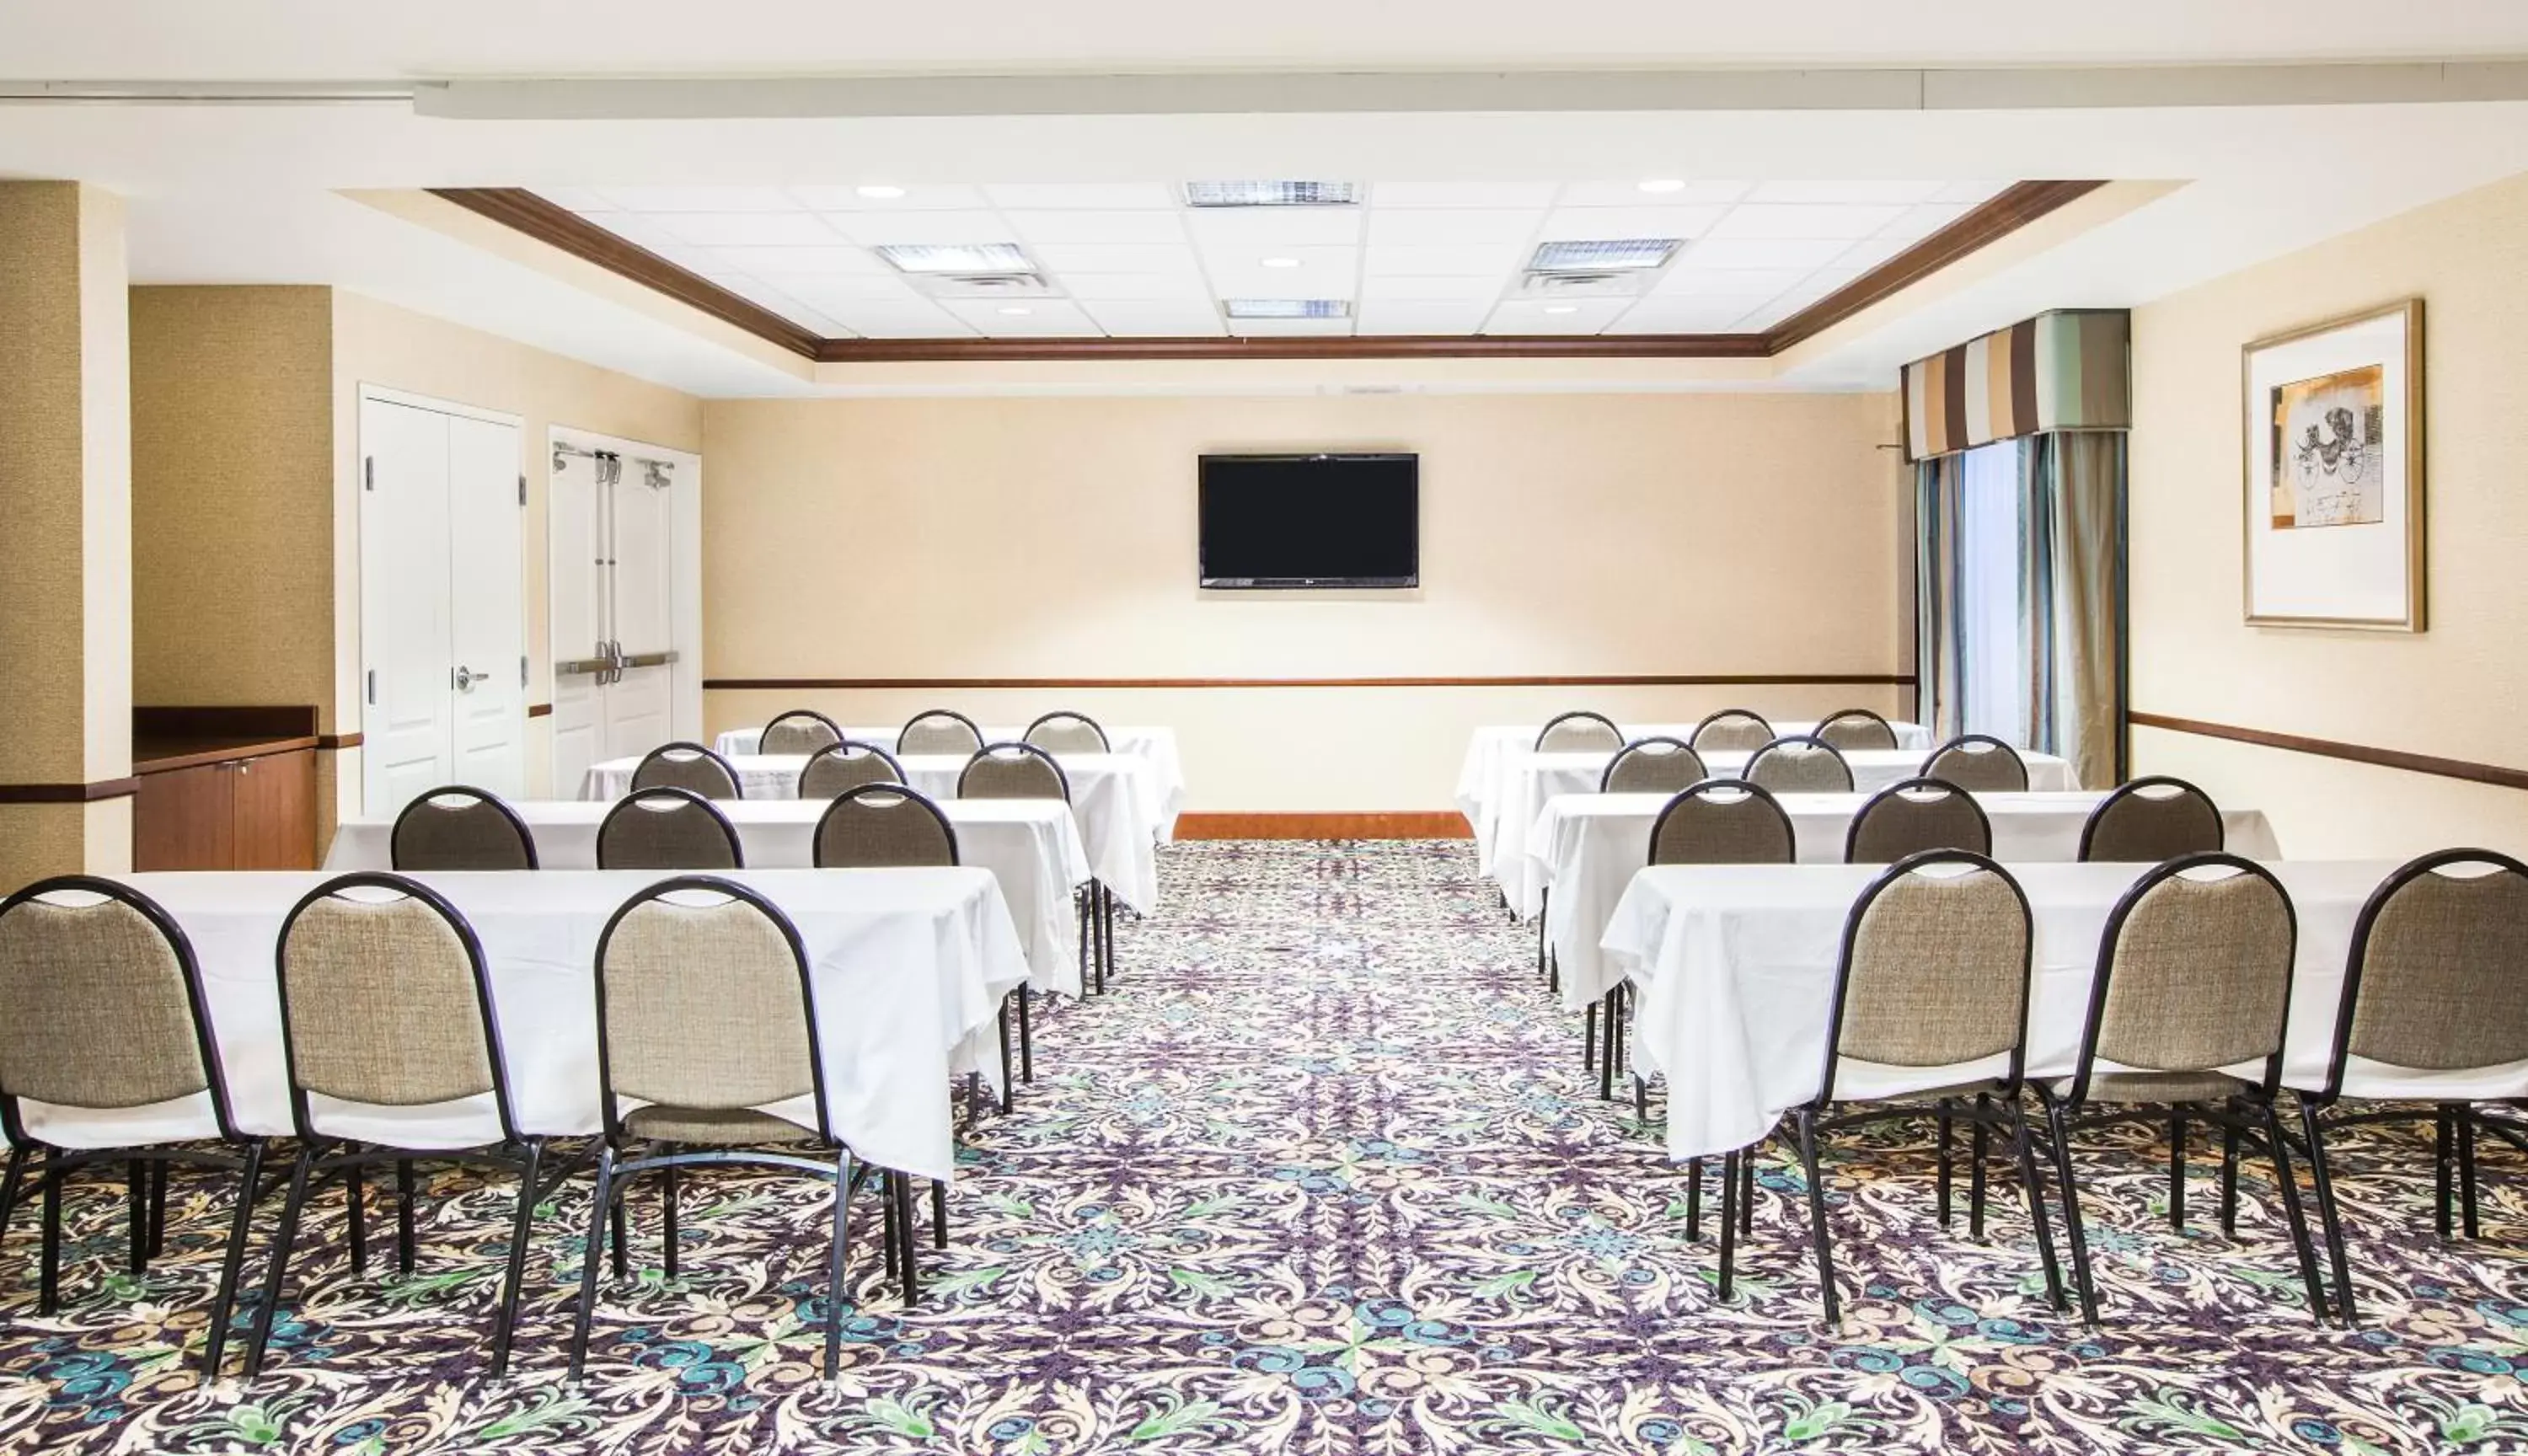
1322, 1175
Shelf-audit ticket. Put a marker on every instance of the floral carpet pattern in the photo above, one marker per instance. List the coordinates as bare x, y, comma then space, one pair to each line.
1320, 1175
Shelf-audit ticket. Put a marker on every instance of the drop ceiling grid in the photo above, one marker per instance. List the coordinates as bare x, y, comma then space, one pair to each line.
1123, 257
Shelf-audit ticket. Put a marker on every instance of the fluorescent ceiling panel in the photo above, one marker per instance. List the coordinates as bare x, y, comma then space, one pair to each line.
1291, 328
986, 257
1271, 193
1600, 254
1287, 308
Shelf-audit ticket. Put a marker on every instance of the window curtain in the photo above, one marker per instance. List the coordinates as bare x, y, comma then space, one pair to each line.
1939, 649
2072, 599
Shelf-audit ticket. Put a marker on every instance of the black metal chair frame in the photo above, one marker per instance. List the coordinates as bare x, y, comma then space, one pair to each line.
1577, 716
1695, 739
1817, 1117
1066, 715
2131, 789
616, 1173
844, 751
657, 793
145, 1168
1964, 739
422, 803
2249, 1117
1809, 740
2455, 1124
940, 712
324, 1158
668, 751
810, 713
1842, 715
1895, 792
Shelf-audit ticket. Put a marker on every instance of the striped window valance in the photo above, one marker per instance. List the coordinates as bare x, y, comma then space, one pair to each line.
2064, 370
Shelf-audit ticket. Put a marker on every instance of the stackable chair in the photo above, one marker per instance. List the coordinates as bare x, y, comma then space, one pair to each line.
689, 766
460, 828
801, 730
1978, 763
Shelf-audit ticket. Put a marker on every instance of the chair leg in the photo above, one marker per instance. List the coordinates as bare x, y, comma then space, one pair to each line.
2289, 1187
277, 1262
8, 1184
505, 1323
136, 1197
1617, 1059
667, 1229
158, 1174
1110, 926
1087, 981
2442, 1153
1981, 1145
1641, 1098
2177, 1172
619, 1224
404, 1185
2229, 1180
886, 1209
2033, 1183
1729, 1225
2059, 1134
938, 1214
912, 1271
1818, 1234
2466, 1171
1009, 1082
1027, 1036
1947, 1144
1544, 897
599, 1210
2329, 1214
1746, 1191
838, 1288
232, 1261
355, 1193
1694, 1200
48, 1276
1588, 1037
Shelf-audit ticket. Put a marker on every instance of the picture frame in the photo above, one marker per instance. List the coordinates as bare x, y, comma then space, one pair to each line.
2333, 474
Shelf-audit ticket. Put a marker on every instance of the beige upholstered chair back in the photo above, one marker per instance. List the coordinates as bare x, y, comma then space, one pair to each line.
459, 828
847, 765
1067, 733
689, 766
1009, 770
96, 1011
705, 1007
381, 1003
667, 829
2153, 819
1938, 969
1579, 732
1723, 823
1653, 765
1732, 730
1799, 765
1978, 765
799, 731
1914, 815
2445, 972
1857, 730
939, 731
2198, 974
883, 826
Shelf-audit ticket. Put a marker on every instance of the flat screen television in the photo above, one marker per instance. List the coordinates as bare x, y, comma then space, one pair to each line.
1283, 521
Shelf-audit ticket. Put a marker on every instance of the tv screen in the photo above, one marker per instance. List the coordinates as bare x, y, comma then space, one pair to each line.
1312, 521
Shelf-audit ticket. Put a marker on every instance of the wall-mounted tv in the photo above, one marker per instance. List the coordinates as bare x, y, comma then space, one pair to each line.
1282, 521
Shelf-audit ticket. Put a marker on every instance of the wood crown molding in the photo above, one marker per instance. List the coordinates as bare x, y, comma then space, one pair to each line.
2496, 774
1399, 824
1654, 680
122, 788
2004, 213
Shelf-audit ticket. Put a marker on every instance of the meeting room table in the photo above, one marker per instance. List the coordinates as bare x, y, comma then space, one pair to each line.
1586, 848
910, 968
1156, 747
1733, 965
1032, 846
1528, 781
1114, 797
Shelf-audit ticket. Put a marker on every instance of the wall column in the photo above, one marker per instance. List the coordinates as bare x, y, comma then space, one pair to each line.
65, 533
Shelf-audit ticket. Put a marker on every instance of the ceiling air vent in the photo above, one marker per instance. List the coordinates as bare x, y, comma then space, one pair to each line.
1597, 284
984, 285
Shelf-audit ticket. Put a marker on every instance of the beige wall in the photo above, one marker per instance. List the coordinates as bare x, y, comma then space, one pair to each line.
2452, 690
1054, 538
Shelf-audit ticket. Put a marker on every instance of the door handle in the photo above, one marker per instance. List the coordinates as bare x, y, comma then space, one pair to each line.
467, 677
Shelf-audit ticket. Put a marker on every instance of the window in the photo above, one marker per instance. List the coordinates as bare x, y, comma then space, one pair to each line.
1992, 695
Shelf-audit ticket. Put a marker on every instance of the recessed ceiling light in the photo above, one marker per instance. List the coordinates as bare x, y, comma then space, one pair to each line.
1599, 255
879, 191
956, 257
1278, 261
1287, 308
1271, 193
1016, 310
1665, 185
1562, 308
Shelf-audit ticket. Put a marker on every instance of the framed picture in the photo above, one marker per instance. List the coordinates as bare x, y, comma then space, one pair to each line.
2333, 488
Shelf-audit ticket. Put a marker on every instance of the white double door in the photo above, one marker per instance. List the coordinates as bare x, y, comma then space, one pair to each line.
612, 512
442, 621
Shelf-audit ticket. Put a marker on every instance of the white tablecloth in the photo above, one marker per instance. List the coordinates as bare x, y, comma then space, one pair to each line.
1156, 746
1030, 845
1587, 847
1488, 755
910, 968
1530, 780
1114, 797
1734, 968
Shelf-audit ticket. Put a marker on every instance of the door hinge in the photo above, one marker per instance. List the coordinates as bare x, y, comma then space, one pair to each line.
372, 685
522, 489
369, 472
522, 669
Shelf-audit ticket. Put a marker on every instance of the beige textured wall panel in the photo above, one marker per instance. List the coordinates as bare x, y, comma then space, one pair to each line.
105, 535
2452, 691
1056, 538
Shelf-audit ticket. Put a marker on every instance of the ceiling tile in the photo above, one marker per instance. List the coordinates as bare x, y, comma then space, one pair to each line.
925, 198
1422, 317
1155, 320
1726, 282
1530, 316
1081, 196
1097, 226
768, 261
1685, 316
1266, 229
1628, 222
1036, 318
1287, 328
1136, 287
1461, 194
1493, 260
871, 229
1870, 192
700, 199
920, 319
1323, 273
1461, 288
744, 229
830, 290
1629, 194
1455, 225
1870, 252
1755, 252
1804, 220
1919, 222
1115, 257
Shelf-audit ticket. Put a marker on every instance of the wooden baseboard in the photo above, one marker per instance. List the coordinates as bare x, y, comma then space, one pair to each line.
1403, 825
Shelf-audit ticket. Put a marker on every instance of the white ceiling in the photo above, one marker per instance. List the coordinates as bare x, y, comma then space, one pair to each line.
1130, 259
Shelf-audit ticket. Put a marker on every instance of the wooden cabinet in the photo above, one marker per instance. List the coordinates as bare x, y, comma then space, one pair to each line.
252, 812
